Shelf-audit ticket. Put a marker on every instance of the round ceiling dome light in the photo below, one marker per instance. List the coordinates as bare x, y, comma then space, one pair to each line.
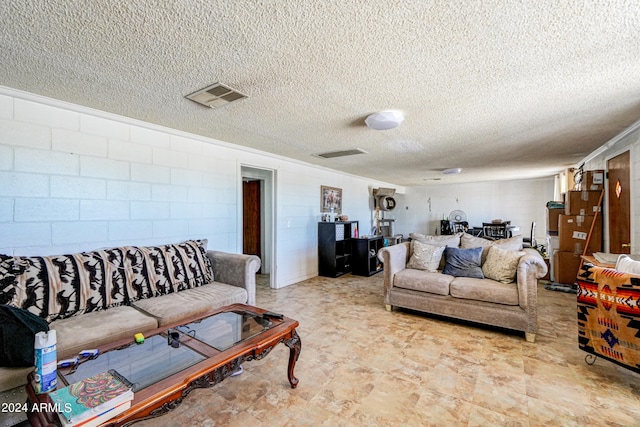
452, 171
384, 120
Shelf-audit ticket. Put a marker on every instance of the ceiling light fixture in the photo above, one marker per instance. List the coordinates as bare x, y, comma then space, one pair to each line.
452, 171
384, 120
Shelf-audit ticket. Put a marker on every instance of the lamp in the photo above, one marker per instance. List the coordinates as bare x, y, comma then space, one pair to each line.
384, 120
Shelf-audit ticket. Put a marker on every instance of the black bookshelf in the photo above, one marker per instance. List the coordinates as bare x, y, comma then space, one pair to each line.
335, 247
365, 255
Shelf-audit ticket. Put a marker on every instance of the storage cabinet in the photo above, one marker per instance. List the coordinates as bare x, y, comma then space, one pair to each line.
335, 247
365, 255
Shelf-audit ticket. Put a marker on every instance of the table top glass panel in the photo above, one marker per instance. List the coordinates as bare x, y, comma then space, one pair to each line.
224, 330
142, 364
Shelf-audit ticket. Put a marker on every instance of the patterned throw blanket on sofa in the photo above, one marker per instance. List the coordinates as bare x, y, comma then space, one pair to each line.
61, 286
609, 315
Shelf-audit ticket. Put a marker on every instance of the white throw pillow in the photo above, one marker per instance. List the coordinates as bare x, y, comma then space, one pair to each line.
425, 256
627, 265
451, 240
511, 244
501, 264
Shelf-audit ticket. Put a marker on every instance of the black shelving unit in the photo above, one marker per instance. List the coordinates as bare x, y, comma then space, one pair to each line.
335, 247
365, 255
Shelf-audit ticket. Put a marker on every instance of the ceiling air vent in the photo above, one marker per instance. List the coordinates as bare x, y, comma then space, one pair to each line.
332, 154
216, 95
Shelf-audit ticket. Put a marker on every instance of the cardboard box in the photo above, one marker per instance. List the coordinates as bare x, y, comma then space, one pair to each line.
582, 202
552, 219
592, 180
566, 266
573, 231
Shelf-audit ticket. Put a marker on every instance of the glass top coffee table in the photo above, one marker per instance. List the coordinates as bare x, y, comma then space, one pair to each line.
173, 361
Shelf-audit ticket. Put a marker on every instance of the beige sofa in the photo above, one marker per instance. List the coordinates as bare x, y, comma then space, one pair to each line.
92, 298
510, 302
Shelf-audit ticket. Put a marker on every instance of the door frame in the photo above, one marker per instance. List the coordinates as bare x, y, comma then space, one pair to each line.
605, 201
267, 178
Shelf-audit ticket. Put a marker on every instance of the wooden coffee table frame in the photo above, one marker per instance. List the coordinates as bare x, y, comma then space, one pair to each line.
167, 394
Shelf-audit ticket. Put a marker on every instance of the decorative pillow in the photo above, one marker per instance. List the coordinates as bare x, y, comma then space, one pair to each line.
161, 270
626, 264
501, 264
425, 256
511, 244
463, 262
452, 240
58, 286
61, 286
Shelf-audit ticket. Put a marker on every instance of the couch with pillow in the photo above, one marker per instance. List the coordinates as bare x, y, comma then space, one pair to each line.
465, 277
92, 298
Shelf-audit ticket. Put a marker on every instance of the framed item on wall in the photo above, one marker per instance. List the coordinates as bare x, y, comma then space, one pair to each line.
330, 197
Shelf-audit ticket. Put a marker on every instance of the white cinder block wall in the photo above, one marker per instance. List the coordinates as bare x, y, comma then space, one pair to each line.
75, 179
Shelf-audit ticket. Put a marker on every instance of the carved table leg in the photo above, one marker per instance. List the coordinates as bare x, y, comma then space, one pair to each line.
295, 346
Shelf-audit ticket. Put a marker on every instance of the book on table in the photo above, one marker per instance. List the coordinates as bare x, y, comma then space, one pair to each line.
98, 419
92, 397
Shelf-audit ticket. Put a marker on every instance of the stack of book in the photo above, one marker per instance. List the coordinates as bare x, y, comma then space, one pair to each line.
94, 400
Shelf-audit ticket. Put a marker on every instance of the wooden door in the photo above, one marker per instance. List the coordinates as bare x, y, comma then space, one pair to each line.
251, 235
619, 204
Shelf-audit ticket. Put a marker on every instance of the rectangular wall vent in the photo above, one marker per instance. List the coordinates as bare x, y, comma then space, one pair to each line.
216, 95
332, 154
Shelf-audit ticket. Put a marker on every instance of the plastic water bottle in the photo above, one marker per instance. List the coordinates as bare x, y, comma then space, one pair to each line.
46, 374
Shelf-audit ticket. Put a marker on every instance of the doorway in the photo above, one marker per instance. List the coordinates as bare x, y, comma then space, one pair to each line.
252, 218
619, 192
257, 220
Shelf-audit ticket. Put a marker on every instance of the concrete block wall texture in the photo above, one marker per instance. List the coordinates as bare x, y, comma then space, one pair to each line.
75, 179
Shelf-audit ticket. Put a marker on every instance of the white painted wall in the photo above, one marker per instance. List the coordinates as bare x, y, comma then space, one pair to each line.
75, 179
520, 201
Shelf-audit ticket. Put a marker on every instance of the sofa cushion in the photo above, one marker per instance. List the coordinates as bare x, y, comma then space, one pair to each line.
425, 256
13, 377
92, 330
463, 262
452, 240
501, 265
424, 281
172, 308
484, 290
60, 286
511, 244
161, 270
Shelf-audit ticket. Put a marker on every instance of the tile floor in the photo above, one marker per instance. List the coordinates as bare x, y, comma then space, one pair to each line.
363, 366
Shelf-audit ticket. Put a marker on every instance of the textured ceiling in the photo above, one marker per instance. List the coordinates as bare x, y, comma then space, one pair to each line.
502, 89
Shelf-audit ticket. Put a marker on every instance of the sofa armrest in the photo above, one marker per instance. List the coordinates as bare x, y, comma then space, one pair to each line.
395, 259
531, 267
237, 270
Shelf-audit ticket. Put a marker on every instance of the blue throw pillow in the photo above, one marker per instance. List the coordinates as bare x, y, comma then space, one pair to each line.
463, 262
